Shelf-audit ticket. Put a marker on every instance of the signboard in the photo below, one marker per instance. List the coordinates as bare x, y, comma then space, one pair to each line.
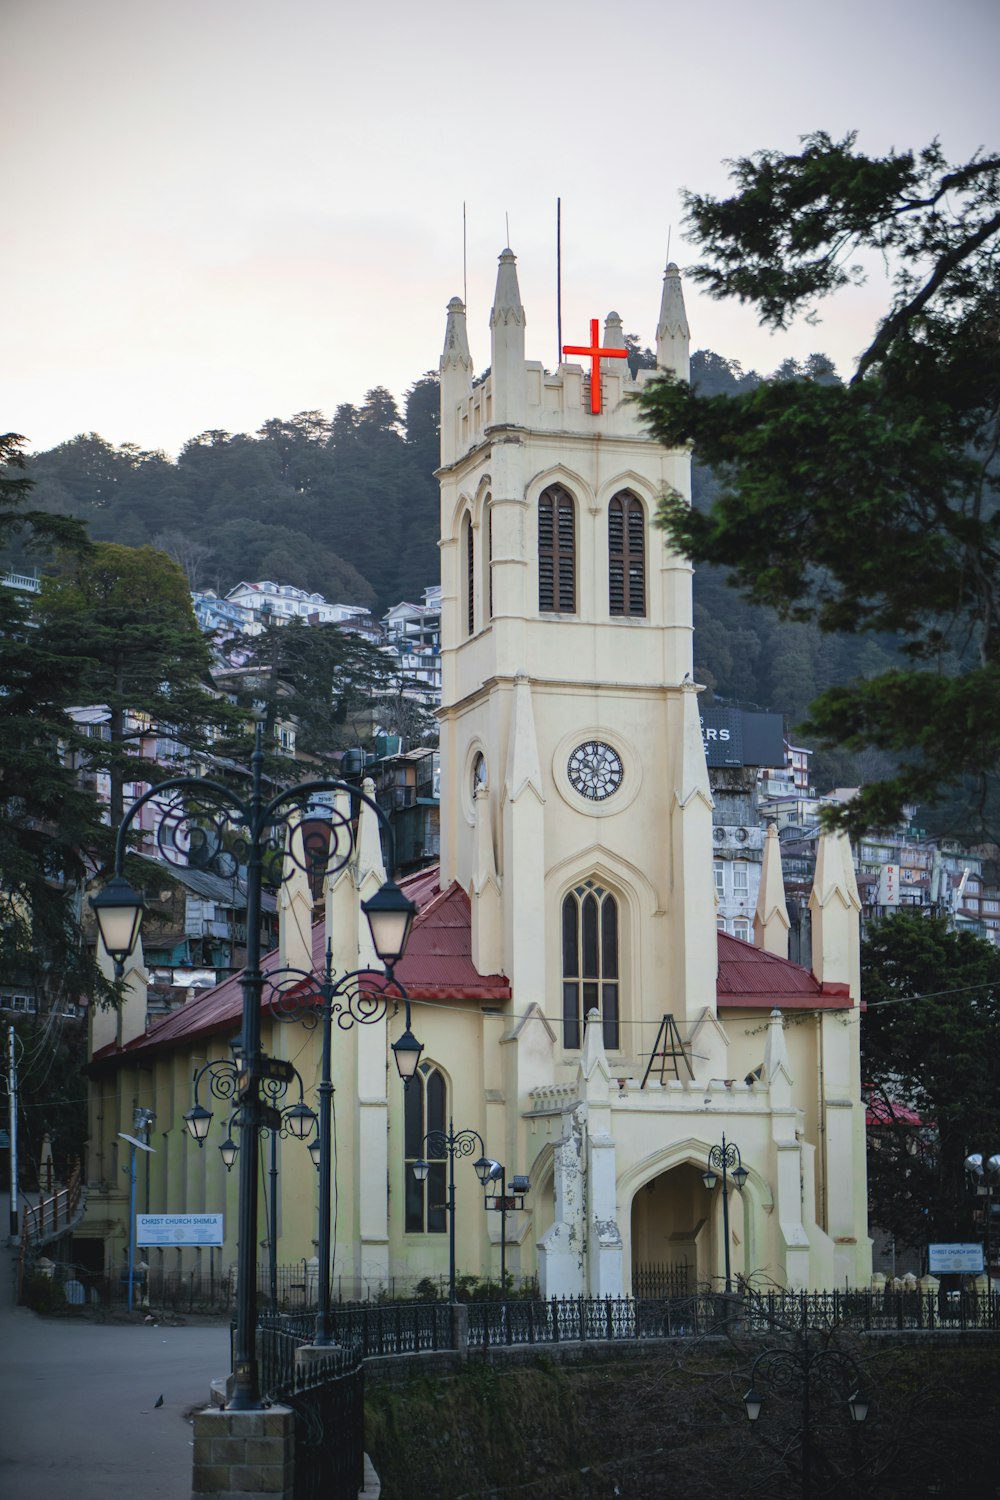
964, 1259
888, 885
734, 737
722, 732
179, 1229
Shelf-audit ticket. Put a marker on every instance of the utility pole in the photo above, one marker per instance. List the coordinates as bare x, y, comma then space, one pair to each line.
12, 1100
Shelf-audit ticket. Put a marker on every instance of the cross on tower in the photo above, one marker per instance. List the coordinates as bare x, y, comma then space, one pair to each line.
595, 352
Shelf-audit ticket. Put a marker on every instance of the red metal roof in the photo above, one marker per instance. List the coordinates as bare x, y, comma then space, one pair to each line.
750, 978
438, 966
882, 1111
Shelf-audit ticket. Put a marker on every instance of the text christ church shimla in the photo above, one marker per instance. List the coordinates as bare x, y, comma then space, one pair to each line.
573, 910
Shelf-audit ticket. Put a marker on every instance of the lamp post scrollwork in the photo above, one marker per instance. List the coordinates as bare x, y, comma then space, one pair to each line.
727, 1160
246, 834
806, 1372
275, 1119
362, 997
438, 1144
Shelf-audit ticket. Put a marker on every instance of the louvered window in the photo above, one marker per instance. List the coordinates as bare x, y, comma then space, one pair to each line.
590, 963
626, 556
557, 551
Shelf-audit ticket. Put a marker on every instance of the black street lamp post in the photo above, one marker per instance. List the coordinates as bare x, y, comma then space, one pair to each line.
793, 1371
437, 1144
210, 824
725, 1159
295, 1120
361, 997
984, 1179
490, 1174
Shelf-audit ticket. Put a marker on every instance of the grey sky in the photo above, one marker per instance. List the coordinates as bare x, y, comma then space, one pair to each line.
219, 211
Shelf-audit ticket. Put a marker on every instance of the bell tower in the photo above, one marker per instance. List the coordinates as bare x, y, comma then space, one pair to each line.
576, 807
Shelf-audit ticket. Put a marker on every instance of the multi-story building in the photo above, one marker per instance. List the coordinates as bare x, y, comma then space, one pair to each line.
277, 603
413, 633
408, 790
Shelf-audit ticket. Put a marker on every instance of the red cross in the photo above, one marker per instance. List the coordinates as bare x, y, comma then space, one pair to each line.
595, 352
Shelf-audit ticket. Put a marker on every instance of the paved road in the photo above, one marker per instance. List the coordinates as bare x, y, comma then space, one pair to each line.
77, 1413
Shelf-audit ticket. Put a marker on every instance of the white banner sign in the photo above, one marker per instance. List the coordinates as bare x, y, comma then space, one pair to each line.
965, 1259
179, 1229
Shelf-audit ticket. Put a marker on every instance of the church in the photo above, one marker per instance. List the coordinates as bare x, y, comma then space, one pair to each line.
578, 1007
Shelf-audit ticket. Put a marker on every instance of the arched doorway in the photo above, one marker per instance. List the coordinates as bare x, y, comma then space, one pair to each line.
677, 1234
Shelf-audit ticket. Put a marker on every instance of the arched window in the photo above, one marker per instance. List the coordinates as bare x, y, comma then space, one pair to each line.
469, 545
590, 962
425, 1109
556, 550
626, 556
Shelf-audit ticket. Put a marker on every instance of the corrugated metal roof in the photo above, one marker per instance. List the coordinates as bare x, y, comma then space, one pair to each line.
211, 887
437, 966
749, 977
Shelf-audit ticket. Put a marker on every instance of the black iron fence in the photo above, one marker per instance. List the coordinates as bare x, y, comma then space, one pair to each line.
659, 1280
590, 1319
411, 1328
327, 1395
383, 1328
889, 1310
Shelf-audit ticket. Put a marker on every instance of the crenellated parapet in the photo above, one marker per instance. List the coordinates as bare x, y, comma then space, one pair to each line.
520, 393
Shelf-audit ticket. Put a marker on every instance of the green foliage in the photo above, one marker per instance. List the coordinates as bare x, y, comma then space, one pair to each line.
52, 1090
122, 617
931, 1041
47, 820
328, 680
871, 508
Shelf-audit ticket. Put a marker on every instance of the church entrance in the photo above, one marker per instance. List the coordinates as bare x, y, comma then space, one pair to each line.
677, 1235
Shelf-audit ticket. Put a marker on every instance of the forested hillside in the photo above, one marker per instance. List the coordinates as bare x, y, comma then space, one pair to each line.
349, 507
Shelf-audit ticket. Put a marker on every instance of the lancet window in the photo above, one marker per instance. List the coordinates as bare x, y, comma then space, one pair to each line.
557, 550
469, 546
626, 556
590, 963
425, 1109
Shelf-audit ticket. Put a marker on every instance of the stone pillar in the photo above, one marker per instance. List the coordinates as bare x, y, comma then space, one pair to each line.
562, 1248
244, 1453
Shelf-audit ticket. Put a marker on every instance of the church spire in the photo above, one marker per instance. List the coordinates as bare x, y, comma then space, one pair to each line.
614, 338
507, 331
770, 920
673, 337
456, 375
835, 908
455, 354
